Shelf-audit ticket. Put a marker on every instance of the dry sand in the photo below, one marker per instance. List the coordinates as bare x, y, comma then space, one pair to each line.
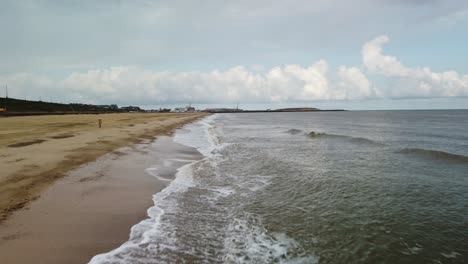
35, 151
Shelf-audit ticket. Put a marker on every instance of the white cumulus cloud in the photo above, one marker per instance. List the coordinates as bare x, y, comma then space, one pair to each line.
384, 76
411, 82
354, 84
139, 86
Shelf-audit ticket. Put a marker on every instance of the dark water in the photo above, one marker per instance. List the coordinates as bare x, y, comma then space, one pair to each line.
365, 187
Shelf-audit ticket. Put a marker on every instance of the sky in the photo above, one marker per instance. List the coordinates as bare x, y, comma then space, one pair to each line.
357, 55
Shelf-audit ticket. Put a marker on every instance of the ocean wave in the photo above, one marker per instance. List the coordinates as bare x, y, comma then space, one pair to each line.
203, 135
247, 241
318, 134
294, 131
149, 232
154, 239
435, 154
357, 140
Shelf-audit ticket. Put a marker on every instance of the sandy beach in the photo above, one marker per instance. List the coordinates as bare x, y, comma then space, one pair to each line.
78, 192
92, 209
35, 151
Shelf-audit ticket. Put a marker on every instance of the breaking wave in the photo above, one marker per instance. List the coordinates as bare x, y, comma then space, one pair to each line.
357, 140
201, 204
249, 242
435, 154
294, 131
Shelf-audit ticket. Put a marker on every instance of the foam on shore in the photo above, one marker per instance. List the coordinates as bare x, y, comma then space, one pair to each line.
199, 194
154, 229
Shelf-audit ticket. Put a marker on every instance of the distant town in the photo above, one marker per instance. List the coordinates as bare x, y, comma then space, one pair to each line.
12, 106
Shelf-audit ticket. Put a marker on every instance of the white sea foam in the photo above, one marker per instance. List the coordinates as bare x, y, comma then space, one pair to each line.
202, 135
224, 191
154, 171
148, 230
158, 238
248, 242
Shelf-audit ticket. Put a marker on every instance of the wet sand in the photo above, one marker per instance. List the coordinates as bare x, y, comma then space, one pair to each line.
35, 151
91, 210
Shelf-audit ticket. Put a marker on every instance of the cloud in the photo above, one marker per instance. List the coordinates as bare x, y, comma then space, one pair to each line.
139, 86
411, 82
376, 61
355, 84
453, 18
385, 76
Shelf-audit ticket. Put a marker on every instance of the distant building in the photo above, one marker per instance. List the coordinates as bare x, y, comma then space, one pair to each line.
112, 107
188, 108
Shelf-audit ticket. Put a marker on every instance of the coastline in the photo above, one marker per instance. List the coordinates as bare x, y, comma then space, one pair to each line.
93, 208
36, 151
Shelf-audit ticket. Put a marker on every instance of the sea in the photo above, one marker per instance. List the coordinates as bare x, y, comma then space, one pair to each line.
312, 187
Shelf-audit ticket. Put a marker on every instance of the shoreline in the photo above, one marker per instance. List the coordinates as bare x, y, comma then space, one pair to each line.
36, 151
91, 210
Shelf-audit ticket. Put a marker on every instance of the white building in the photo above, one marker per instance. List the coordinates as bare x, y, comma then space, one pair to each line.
184, 109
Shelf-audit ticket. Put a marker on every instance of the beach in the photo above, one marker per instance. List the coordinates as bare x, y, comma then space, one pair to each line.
92, 209
49, 218
331, 187
70, 190
35, 151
